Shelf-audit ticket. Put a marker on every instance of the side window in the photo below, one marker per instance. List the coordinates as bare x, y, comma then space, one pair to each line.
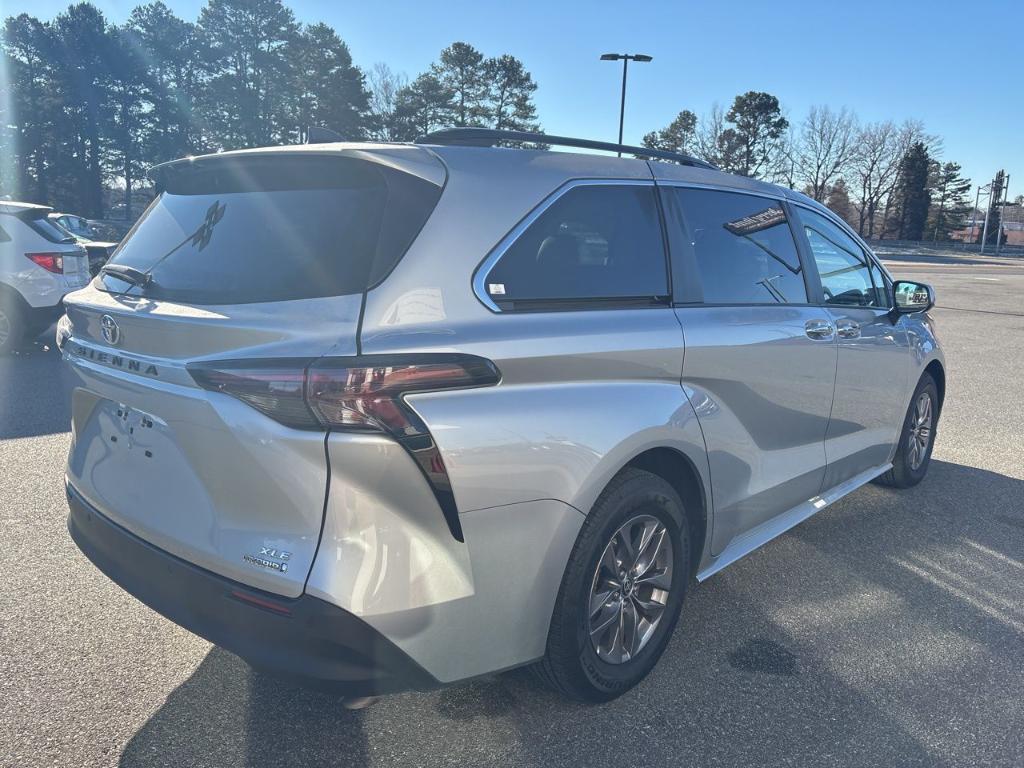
743, 248
594, 242
4, 237
842, 264
882, 287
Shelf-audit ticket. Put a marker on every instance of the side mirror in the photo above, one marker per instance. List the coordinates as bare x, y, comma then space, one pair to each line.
910, 297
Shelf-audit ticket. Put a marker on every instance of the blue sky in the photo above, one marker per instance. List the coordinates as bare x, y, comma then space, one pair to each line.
959, 67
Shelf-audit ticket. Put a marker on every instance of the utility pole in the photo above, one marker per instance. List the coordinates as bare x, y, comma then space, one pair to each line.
625, 58
1002, 213
988, 210
974, 217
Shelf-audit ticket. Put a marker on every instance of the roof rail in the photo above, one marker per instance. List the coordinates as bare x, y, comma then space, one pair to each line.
488, 137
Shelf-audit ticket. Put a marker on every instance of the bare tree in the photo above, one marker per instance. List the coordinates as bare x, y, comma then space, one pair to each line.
880, 148
385, 85
783, 167
708, 141
875, 167
825, 149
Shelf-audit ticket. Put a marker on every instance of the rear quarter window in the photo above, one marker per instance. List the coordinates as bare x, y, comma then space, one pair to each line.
256, 230
595, 242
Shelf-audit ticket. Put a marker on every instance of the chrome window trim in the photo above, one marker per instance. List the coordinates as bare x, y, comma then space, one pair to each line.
778, 196
485, 267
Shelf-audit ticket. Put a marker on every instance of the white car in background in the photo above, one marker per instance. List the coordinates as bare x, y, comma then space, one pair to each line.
39, 264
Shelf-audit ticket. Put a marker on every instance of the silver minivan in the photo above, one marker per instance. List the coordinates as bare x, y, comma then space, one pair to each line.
380, 417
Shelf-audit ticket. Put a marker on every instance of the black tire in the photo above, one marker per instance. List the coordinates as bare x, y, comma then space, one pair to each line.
903, 473
12, 326
571, 664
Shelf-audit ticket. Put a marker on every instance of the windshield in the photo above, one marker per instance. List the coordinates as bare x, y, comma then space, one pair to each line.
77, 226
66, 231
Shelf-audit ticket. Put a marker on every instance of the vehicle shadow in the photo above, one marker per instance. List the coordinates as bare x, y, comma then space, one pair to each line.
877, 633
35, 390
229, 714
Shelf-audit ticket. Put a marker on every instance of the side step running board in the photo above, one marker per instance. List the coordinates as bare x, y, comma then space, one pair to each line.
768, 530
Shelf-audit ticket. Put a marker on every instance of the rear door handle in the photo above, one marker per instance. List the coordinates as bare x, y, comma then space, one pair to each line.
819, 329
848, 329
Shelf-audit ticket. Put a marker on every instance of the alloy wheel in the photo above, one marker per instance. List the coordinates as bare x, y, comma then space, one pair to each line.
920, 431
630, 589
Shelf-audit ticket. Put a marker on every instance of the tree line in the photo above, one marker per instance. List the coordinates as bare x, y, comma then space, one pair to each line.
87, 106
885, 178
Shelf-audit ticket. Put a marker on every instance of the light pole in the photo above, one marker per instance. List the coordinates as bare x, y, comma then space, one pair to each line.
625, 58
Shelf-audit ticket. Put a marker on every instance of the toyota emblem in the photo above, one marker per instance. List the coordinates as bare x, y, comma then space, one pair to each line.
111, 331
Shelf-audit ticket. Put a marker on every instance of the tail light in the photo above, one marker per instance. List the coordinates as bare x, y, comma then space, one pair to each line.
356, 394
51, 262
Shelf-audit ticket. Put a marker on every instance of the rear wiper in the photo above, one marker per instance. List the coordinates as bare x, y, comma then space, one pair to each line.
128, 274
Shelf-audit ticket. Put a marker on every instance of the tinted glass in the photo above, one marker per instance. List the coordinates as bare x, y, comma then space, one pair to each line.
274, 230
743, 248
76, 225
842, 264
50, 231
593, 242
882, 287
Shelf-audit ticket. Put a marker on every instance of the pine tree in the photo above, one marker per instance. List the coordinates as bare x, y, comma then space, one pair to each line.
29, 144
911, 197
80, 80
328, 90
131, 100
247, 99
510, 91
950, 203
995, 208
678, 136
462, 71
748, 146
177, 58
424, 105
838, 201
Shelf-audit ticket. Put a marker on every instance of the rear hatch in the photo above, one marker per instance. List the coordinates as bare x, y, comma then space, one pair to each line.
57, 249
245, 257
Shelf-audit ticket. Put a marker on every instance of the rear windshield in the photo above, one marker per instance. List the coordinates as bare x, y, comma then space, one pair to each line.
49, 230
274, 229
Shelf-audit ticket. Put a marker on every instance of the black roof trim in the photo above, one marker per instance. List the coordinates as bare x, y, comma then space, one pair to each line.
488, 137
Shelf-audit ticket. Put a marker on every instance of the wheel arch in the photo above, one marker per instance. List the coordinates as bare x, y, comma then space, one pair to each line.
9, 293
679, 471
938, 373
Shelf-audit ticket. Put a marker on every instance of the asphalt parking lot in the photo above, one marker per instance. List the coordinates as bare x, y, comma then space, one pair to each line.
887, 630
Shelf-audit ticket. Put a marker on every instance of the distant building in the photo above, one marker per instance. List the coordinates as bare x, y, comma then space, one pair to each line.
1011, 222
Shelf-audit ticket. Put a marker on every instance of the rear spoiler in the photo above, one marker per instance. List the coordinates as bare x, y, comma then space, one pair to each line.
26, 212
411, 159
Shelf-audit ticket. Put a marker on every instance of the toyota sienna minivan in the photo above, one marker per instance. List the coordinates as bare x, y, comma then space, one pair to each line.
379, 417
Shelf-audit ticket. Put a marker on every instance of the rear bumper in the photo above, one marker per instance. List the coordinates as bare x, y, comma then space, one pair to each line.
305, 639
44, 317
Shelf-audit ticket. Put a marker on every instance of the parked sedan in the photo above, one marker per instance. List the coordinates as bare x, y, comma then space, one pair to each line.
83, 231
